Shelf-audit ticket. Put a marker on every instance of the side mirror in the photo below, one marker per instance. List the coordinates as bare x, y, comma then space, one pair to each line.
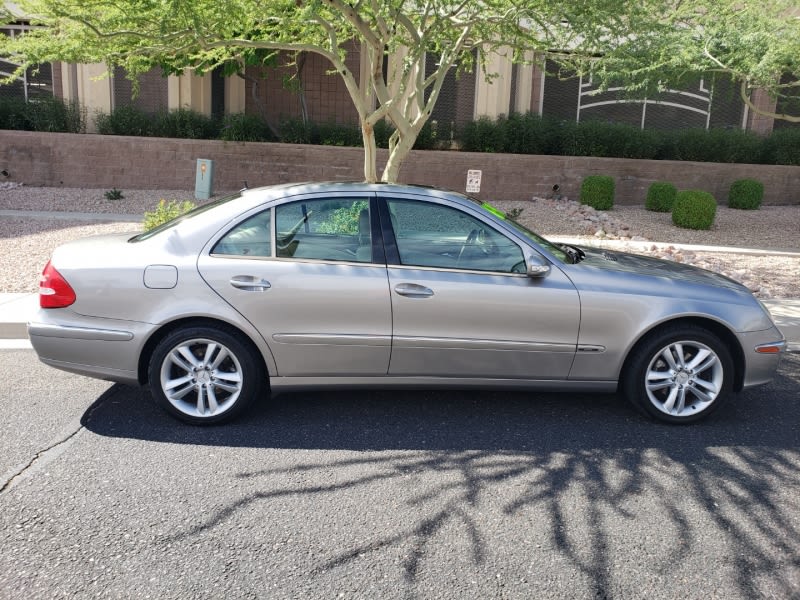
537, 266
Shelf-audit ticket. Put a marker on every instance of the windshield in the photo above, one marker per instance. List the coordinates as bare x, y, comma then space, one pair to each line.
553, 249
179, 219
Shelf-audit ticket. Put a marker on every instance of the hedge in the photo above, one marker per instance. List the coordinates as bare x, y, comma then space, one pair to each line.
515, 134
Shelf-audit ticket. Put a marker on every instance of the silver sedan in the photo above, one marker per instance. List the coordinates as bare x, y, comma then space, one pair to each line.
321, 285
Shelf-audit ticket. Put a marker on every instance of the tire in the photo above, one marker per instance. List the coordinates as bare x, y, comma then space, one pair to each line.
679, 374
204, 375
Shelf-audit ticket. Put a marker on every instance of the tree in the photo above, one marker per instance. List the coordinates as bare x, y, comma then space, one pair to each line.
203, 34
645, 44
756, 44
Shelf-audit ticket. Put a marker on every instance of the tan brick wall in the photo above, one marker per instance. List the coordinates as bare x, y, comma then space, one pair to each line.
75, 160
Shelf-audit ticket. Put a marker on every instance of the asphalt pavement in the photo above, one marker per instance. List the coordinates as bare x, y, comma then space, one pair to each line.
394, 495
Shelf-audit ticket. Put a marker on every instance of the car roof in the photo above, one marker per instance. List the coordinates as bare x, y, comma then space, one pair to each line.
290, 189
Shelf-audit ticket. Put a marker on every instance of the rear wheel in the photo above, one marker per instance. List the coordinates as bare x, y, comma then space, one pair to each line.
679, 374
204, 375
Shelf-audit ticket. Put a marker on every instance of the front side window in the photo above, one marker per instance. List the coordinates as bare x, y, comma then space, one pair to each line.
252, 237
432, 235
324, 229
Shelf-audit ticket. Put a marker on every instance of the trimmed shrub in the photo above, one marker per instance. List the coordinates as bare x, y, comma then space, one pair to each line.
597, 191
660, 196
746, 194
694, 209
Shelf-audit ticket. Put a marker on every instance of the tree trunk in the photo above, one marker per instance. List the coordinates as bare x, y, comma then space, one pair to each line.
396, 157
370, 153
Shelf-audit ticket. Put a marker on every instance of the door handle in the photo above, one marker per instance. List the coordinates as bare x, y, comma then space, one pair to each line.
250, 283
413, 290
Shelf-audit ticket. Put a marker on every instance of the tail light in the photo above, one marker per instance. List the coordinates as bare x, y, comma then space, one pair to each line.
54, 291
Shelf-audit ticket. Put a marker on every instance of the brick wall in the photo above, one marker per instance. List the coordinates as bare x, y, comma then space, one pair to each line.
75, 160
327, 98
152, 96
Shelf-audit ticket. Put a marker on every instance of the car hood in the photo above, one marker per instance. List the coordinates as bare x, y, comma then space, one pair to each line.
646, 266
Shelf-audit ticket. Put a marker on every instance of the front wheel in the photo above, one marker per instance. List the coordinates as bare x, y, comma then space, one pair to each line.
204, 375
679, 375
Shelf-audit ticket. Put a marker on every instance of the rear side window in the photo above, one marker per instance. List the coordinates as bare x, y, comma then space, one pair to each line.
324, 229
252, 237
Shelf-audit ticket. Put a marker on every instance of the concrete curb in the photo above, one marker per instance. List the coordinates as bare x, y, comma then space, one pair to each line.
15, 312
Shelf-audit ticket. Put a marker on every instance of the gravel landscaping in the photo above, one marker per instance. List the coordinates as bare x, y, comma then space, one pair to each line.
26, 243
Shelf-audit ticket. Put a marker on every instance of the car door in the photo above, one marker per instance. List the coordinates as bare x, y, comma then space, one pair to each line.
462, 304
310, 275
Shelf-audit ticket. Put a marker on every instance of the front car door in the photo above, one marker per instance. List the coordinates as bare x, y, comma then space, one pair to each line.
310, 275
462, 304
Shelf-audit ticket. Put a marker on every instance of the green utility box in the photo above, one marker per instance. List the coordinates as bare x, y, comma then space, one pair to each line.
204, 179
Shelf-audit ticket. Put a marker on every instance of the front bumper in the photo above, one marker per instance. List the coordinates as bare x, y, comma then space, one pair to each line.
760, 366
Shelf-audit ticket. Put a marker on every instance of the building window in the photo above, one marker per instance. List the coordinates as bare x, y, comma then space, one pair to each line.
36, 82
705, 103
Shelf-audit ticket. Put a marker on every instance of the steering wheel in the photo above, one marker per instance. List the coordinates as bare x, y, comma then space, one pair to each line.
470, 241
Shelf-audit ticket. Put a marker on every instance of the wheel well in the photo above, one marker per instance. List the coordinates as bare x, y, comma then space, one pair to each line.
167, 328
723, 333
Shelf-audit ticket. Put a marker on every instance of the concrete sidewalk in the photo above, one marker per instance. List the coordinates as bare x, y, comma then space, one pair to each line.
17, 309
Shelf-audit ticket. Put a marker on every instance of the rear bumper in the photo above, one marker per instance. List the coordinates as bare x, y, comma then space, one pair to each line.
102, 352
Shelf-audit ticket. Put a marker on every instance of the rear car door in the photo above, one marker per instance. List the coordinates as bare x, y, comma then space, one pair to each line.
310, 275
462, 304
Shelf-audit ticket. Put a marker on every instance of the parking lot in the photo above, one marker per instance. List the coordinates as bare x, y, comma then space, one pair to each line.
394, 495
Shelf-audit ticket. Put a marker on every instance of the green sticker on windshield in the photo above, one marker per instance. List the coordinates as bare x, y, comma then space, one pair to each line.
495, 211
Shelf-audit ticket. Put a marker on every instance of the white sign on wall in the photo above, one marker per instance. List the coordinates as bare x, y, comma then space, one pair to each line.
473, 181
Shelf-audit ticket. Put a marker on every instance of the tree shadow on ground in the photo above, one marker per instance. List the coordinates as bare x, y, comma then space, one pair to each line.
580, 470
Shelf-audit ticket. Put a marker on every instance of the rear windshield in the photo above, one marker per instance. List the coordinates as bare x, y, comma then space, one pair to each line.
179, 219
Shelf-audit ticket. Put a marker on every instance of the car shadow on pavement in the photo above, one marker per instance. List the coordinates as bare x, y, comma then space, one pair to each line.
460, 420
583, 476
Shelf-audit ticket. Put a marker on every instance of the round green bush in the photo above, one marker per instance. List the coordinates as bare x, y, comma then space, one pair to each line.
660, 196
746, 194
597, 191
694, 209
